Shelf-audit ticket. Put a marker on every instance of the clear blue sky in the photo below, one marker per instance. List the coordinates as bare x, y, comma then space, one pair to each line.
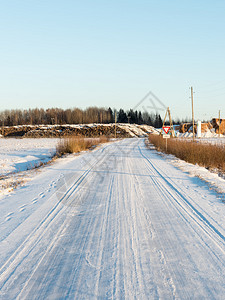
111, 53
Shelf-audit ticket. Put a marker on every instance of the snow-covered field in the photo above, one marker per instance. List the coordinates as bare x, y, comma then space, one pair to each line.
21, 154
119, 222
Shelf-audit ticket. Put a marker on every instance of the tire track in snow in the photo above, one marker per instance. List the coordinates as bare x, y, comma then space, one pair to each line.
147, 231
102, 237
54, 256
132, 277
193, 212
96, 232
32, 240
84, 244
175, 201
127, 239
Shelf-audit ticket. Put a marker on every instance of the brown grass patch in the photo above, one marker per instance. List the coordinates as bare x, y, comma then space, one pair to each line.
206, 155
78, 144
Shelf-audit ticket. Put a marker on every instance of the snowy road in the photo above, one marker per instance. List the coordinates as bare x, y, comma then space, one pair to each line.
119, 222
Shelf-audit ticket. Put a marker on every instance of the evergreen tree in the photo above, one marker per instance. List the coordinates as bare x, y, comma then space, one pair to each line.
140, 119
158, 121
131, 114
122, 116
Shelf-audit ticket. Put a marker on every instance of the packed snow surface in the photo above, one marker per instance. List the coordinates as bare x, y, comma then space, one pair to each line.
119, 222
21, 154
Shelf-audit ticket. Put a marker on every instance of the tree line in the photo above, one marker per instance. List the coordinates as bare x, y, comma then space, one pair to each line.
89, 115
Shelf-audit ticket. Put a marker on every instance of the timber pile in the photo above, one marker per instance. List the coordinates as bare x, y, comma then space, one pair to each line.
43, 131
206, 127
185, 127
214, 124
15, 131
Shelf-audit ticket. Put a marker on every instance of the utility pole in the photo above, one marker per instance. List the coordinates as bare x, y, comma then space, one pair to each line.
115, 124
193, 120
3, 124
219, 122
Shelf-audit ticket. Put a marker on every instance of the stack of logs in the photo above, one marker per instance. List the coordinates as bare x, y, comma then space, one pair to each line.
214, 124
62, 131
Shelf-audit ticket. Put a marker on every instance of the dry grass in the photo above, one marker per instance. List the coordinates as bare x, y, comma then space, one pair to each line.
206, 155
11, 183
78, 144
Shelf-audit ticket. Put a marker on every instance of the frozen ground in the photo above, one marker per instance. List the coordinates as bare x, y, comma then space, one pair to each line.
21, 154
119, 222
